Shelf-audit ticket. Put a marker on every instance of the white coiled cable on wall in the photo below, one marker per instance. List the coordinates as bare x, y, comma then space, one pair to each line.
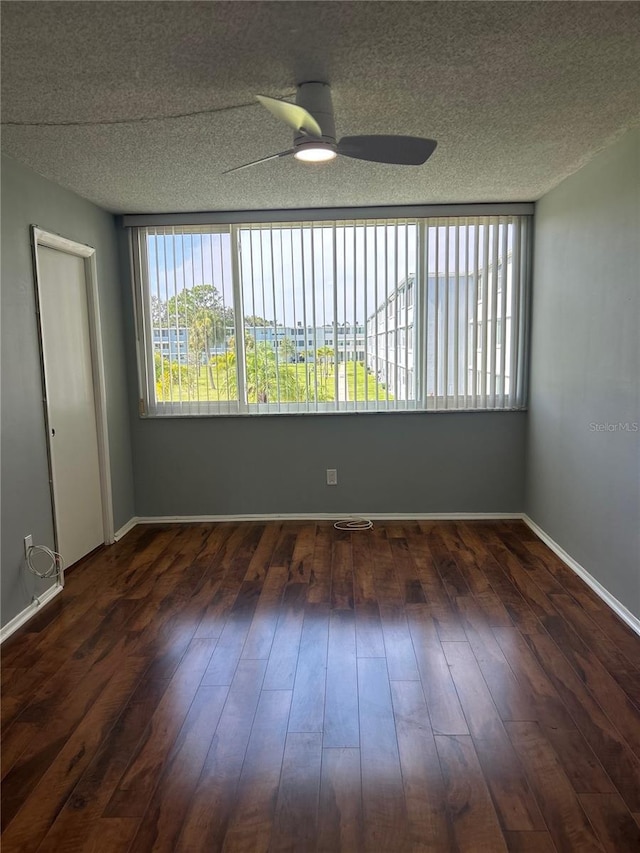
56, 567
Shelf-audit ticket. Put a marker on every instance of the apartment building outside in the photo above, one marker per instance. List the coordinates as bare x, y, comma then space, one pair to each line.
465, 334
346, 340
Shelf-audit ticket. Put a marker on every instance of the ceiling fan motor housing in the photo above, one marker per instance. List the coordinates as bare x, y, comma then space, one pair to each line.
316, 99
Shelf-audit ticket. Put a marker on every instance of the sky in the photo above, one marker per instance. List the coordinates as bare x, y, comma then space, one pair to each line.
282, 267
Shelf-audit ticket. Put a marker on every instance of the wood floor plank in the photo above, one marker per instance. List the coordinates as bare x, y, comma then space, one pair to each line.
207, 817
515, 803
260, 562
473, 818
155, 577
230, 565
342, 576
302, 556
112, 835
369, 639
489, 601
453, 579
307, 704
536, 597
444, 706
36, 696
550, 710
406, 571
229, 646
602, 686
283, 659
597, 665
387, 584
599, 731
252, 817
621, 668
397, 571
398, 645
612, 821
568, 824
63, 705
30, 825
513, 698
81, 814
21, 736
529, 842
579, 762
340, 821
162, 821
265, 617
424, 793
132, 795
341, 724
320, 577
383, 803
295, 824
514, 602
440, 606
620, 634
283, 552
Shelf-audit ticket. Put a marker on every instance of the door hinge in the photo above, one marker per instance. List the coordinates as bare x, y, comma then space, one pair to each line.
141, 407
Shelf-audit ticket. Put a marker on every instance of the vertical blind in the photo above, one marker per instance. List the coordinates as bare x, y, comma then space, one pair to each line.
349, 315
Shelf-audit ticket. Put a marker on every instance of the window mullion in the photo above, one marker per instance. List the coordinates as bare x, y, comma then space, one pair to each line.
336, 386
146, 332
419, 319
238, 315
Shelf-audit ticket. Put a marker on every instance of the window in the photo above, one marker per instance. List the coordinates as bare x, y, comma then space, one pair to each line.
354, 315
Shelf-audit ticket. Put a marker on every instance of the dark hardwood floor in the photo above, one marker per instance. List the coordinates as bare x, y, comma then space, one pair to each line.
422, 686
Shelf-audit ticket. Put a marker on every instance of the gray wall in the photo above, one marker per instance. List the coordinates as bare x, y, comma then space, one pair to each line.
29, 199
583, 482
458, 462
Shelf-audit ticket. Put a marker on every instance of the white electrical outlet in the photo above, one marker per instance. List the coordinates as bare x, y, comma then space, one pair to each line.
332, 476
28, 543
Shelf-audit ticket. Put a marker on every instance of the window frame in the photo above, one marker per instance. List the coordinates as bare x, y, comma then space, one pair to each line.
149, 406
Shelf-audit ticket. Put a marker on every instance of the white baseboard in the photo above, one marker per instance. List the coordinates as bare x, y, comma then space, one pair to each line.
26, 614
618, 608
125, 528
332, 516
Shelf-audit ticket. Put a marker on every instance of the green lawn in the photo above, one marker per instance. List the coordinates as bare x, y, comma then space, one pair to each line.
364, 380
188, 384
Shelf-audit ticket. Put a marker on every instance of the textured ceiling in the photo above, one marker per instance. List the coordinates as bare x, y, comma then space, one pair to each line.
518, 95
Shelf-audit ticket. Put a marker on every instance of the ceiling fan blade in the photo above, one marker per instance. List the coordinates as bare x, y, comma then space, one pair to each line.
262, 160
296, 117
400, 150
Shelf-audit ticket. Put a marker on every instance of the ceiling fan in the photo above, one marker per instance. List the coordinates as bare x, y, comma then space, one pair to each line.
311, 117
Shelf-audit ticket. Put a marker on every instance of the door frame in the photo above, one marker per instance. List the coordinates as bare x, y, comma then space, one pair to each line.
47, 239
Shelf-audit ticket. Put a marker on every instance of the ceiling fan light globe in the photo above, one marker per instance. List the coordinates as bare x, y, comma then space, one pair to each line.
315, 153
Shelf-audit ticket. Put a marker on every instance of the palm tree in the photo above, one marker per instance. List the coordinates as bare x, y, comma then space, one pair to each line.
174, 381
201, 334
287, 349
325, 356
267, 379
222, 369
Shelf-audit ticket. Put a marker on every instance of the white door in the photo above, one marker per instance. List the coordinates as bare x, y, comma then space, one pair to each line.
71, 403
